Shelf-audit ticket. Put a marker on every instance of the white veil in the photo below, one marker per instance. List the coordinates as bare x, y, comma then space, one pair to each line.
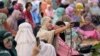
25, 40
25, 33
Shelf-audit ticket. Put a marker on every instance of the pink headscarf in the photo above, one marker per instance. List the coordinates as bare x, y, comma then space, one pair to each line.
18, 6
49, 11
69, 10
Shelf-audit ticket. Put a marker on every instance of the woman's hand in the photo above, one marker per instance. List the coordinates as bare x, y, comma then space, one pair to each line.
36, 50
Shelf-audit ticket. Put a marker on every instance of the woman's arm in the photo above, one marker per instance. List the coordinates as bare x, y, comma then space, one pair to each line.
59, 30
36, 50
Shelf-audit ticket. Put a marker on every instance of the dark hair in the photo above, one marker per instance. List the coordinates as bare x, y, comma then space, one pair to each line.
1, 4
36, 29
60, 23
28, 4
20, 21
62, 35
14, 2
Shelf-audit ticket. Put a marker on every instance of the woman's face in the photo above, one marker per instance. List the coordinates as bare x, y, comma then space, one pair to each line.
49, 24
21, 7
8, 42
29, 7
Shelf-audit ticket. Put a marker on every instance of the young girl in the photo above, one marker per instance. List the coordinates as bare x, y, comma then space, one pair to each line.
62, 48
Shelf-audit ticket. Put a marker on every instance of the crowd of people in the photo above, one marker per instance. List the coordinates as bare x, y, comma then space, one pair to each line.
36, 28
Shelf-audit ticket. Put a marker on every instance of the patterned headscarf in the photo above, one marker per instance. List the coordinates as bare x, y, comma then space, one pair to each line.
3, 18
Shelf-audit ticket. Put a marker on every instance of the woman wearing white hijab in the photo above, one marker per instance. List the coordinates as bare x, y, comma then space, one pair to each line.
25, 40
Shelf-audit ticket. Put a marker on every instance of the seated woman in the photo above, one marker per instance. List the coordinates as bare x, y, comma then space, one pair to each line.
6, 44
88, 30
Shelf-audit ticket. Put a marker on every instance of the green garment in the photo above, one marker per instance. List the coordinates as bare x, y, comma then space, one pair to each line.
3, 18
97, 50
6, 3
4, 53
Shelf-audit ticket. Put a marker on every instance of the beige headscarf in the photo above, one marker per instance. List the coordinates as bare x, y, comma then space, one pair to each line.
44, 22
12, 20
43, 33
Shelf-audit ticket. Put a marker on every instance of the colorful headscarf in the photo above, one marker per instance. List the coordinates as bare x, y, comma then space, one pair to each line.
3, 18
69, 10
59, 12
18, 6
79, 6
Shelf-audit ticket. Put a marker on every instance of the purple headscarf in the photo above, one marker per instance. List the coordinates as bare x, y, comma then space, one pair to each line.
69, 10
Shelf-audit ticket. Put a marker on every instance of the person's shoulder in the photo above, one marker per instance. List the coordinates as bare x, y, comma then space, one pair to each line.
4, 53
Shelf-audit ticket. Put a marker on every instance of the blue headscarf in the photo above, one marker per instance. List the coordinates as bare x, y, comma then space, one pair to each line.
58, 14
